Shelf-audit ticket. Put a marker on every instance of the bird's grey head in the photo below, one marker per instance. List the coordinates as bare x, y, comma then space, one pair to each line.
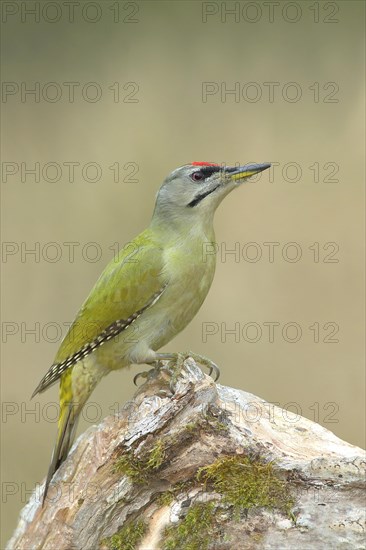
195, 190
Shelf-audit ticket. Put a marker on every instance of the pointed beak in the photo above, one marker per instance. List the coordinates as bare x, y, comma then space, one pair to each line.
239, 173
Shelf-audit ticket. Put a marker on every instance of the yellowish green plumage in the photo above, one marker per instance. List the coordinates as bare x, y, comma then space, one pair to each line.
146, 295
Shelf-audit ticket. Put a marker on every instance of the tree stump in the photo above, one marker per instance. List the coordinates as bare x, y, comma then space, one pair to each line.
209, 467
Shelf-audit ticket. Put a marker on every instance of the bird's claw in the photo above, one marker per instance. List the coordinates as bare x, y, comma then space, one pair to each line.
205, 362
143, 374
157, 365
213, 368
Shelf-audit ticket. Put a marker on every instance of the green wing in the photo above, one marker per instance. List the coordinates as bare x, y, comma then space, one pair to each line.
126, 286
131, 282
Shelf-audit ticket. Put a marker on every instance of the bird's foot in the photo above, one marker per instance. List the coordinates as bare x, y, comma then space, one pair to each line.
174, 366
172, 369
176, 363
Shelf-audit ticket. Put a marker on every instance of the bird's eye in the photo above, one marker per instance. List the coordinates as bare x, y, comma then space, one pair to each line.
197, 176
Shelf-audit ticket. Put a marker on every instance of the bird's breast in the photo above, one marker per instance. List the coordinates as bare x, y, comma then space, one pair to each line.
189, 275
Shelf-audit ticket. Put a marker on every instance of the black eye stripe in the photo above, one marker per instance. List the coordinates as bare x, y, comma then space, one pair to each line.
209, 170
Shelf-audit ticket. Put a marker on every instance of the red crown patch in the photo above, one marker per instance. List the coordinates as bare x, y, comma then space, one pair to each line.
204, 164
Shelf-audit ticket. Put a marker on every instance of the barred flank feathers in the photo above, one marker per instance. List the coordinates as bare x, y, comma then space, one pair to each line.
56, 370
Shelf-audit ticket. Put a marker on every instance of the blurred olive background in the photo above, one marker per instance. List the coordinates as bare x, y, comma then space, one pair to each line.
167, 50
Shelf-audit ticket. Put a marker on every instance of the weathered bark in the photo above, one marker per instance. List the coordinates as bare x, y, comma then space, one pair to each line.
276, 482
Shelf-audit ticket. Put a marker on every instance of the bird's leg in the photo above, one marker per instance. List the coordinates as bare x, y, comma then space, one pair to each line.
174, 367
